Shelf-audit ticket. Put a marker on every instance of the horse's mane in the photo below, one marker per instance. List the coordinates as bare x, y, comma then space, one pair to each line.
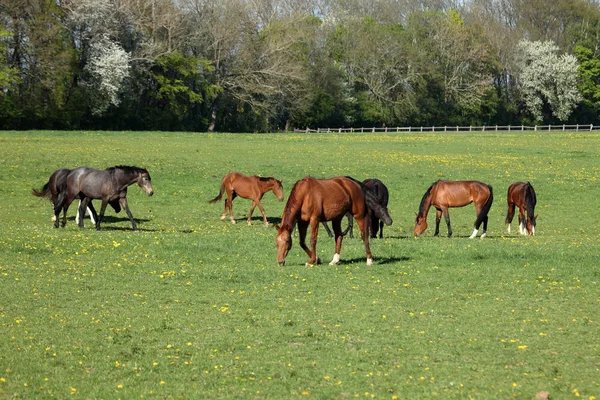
129, 170
530, 199
264, 179
425, 196
370, 199
292, 204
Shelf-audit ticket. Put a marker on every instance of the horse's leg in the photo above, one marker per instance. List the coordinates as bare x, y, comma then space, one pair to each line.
230, 196
123, 201
522, 227
314, 233
327, 228
262, 210
476, 229
438, 217
302, 229
447, 218
336, 224
510, 213
65, 207
101, 216
92, 212
251, 211
350, 225
364, 234
83, 203
380, 229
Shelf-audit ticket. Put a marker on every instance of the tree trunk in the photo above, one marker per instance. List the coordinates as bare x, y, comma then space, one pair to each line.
213, 115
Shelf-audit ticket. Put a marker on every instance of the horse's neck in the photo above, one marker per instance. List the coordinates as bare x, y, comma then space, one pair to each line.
426, 206
126, 180
265, 186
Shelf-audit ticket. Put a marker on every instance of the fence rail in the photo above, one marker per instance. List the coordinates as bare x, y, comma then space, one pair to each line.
484, 128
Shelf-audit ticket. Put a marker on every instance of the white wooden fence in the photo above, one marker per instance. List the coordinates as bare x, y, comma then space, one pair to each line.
484, 128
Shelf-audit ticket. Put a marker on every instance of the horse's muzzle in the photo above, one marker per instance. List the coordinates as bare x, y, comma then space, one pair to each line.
281, 263
151, 193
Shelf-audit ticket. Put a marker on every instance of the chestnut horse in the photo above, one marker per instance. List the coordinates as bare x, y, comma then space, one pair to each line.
56, 186
315, 200
247, 187
522, 195
445, 194
110, 185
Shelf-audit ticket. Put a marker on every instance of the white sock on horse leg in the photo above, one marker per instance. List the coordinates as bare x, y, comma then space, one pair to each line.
474, 234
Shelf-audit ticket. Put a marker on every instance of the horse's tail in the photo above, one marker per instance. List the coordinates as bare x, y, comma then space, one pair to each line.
44, 192
220, 196
485, 209
530, 198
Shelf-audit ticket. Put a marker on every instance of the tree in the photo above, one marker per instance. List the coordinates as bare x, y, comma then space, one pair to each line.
547, 78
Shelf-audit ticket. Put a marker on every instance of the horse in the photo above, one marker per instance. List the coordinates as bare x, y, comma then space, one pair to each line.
56, 187
314, 200
109, 185
445, 194
522, 195
376, 225
247, 187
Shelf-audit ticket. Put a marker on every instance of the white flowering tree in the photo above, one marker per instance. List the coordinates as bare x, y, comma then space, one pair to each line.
108, 66
547, 77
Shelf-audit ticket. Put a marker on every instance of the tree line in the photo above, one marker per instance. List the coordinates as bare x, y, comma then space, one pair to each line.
268, 65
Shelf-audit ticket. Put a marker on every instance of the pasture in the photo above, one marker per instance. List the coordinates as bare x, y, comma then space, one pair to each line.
194, 307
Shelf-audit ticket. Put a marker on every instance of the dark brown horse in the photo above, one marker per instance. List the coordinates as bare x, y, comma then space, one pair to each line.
109, 185
445, 194
380, 191
56, 187
522, 195
314, 200
247, 187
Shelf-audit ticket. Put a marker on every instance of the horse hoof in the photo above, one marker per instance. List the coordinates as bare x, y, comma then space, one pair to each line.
483, 235
222, 218
369, 262
233, 221
249, 223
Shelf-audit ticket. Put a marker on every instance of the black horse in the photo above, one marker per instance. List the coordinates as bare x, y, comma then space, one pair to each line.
55, 191
109, 185
380, 191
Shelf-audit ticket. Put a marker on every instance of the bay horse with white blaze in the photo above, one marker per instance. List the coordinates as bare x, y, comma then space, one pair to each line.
56, 186
109, 185
312, 201
445, 194
247, 187
522, 195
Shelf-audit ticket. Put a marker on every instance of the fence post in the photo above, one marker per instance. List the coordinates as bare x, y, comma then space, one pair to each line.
591, 127
483, 128
373, 130
470, 128
535, 128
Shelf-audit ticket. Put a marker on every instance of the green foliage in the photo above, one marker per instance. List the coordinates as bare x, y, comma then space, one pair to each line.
589, 76
194, 307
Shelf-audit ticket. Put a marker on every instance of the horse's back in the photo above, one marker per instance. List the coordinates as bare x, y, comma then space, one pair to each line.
459, 193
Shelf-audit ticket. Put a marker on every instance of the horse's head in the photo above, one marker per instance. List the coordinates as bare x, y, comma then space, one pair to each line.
530, 224
145, 183
284, 243
382, 213
420, 225
278, 189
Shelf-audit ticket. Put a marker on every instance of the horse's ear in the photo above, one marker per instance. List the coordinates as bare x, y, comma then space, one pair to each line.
536, 217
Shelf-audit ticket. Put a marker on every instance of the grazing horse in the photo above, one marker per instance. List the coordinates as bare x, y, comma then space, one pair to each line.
56, 187
445, 194
247, 187
522, 195
314, 200
109, 185
375, 224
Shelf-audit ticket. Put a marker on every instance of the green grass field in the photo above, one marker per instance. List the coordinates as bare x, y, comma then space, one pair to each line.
193, 307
